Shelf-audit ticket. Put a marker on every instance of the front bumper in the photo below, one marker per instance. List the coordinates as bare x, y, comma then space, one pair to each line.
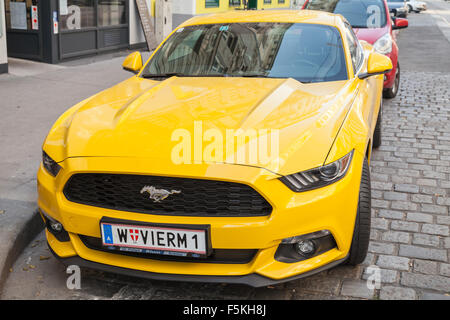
390, 76
253, 280
330, 208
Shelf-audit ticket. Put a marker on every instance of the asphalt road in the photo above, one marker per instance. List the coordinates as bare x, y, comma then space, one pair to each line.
423, 46
37, 275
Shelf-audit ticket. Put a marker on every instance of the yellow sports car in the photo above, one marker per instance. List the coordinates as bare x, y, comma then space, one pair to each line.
238, 153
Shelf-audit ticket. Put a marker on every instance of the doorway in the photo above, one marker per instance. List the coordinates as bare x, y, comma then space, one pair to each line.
252, 4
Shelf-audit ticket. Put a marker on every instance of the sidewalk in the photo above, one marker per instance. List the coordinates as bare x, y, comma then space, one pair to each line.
440, 10
32, 96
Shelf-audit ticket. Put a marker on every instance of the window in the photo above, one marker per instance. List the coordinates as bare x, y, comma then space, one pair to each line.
235, 2
211, 3
354, 46
281, 1
18, 14
359, 13
267, 1
111, 12
79, 14
306, 52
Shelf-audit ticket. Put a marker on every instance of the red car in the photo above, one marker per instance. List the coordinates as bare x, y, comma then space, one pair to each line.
371, 21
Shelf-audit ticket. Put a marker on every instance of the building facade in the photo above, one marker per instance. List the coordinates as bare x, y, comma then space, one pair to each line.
3, 51
185, 9
56, 30
53, 31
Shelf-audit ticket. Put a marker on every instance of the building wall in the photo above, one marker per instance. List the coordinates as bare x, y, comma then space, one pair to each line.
185, 9
135, 32
224, 5
3, 51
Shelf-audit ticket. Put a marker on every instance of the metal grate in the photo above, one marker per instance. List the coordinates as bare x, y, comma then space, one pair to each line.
190, 197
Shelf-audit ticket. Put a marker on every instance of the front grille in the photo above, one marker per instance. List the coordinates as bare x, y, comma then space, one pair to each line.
197, 197
232, 256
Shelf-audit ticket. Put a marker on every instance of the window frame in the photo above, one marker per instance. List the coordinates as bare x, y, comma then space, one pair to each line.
212, 4
349, 32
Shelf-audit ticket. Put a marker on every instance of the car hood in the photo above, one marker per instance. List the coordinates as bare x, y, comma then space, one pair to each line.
146, 119
371, 34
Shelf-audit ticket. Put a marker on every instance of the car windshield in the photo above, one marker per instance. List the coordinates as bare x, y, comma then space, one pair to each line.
305, 52
359, 13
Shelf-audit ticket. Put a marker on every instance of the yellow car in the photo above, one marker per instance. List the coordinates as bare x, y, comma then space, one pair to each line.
238, 153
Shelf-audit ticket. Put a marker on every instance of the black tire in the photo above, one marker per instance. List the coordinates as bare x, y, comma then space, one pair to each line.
377, 133
391, 93
361, 234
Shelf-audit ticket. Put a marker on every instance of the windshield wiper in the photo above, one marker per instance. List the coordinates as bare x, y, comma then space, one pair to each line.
177, 74
164, 75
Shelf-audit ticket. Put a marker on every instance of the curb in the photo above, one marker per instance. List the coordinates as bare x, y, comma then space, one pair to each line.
31, 228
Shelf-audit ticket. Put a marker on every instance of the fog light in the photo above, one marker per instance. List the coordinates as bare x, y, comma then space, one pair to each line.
56, 226
305, 248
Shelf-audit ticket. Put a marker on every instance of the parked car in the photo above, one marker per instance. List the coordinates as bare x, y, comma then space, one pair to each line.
398, 7
119, 190
377, 30
416, 6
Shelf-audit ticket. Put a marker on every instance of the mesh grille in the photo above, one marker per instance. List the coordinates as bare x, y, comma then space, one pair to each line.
197, 197
233, 256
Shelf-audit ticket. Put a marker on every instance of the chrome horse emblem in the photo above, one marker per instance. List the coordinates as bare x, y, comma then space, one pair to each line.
158, 195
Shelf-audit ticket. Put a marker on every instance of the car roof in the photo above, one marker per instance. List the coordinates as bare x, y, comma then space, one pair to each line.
287, 16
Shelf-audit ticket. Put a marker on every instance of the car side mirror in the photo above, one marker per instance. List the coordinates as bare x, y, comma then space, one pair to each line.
377, 64
133, 62
400, 23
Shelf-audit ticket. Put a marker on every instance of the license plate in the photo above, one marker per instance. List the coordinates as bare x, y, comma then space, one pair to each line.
188, 241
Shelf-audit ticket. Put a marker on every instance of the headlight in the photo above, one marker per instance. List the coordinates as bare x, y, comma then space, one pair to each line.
384, 44
318, 177
50, 165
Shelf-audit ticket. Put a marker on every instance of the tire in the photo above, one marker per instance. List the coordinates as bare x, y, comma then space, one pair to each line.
391, 93
361, 233
376, 142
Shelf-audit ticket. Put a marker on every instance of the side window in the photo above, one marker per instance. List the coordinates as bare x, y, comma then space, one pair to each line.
355, 48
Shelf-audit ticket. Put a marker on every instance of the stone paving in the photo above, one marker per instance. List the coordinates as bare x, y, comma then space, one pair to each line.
411, 190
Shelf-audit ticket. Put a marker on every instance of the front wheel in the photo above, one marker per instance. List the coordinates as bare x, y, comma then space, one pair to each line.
361, 233
390, 93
